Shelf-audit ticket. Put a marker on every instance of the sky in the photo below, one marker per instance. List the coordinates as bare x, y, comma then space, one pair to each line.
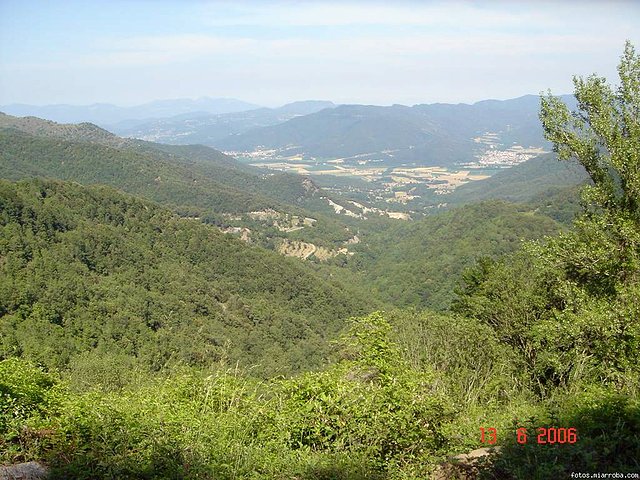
274, 52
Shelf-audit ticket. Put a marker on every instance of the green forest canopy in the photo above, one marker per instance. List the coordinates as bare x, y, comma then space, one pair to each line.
91, 271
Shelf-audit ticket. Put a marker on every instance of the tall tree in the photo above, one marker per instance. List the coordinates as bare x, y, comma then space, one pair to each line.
571, 304
604, 136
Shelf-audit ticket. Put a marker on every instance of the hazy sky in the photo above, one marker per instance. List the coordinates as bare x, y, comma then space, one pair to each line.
270, 53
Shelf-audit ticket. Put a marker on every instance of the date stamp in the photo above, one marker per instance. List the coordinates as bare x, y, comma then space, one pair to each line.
541, 435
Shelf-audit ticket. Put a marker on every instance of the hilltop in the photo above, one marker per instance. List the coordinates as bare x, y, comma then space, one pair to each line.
82, 132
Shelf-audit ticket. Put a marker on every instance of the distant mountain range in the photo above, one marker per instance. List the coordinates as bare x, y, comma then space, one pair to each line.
209, 129
105, 114
436, 134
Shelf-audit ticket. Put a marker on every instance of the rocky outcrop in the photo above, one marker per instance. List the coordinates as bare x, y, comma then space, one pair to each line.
24, 471
295, 248
464, 466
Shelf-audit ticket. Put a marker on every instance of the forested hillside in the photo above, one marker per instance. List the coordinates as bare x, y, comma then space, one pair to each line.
91, 276
86, 153
419, 263
524, 182
25, 156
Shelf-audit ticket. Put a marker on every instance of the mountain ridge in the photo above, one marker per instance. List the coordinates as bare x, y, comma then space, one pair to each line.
209, 128
106, 113
435, 134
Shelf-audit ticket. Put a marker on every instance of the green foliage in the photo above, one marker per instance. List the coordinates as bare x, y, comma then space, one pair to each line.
600, 258
24, 391
562, 204
371, 415
607, 427
522, 183
27, 397
566, 327
570, 304
391, 407
418, 263
604, 136
92, 270
372, 402
509, 295
473, 366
